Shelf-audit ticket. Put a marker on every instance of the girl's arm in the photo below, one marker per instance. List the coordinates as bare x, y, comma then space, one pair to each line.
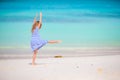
40, 21
35, 19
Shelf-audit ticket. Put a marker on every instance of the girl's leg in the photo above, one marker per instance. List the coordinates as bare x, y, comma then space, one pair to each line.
54, 41
34, 57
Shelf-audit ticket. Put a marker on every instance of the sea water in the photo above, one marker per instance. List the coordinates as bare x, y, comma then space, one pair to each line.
76, 22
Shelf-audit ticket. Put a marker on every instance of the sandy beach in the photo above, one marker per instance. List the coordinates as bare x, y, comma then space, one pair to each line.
89, 31
66, 68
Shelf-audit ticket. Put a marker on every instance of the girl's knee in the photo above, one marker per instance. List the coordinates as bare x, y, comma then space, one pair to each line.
35, 51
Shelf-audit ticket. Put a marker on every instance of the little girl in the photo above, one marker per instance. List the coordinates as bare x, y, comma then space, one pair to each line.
36, 41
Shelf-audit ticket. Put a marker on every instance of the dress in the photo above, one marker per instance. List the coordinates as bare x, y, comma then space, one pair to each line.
36, 41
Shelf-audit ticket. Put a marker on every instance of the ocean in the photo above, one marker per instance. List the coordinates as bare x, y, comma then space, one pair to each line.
78, 23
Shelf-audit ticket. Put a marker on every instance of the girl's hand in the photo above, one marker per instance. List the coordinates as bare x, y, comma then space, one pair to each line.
40, 14
35, 18
40, 23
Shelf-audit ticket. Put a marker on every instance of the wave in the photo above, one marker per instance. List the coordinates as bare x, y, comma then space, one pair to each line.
59, 11
79, 16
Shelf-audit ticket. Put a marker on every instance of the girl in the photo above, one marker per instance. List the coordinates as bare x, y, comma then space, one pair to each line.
36, 41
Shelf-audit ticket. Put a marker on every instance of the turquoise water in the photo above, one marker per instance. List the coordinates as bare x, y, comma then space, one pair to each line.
77, 23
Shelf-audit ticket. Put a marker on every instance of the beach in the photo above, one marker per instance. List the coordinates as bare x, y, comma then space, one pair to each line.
72, 68
89, 31
68, 67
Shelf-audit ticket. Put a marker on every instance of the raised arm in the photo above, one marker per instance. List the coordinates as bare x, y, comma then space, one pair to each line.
41, 17
35, 18
40, 21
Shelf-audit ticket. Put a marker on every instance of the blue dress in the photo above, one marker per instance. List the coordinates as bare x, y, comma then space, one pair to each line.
36, 41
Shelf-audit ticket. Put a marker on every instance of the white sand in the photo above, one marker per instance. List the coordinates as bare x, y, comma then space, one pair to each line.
72, 68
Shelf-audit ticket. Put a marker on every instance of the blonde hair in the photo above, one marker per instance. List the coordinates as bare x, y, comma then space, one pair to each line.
34, 25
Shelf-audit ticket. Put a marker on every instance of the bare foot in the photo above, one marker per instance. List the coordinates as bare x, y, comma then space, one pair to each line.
59, 41
33, 64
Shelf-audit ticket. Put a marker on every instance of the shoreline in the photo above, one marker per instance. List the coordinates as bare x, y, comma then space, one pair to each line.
50, 52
